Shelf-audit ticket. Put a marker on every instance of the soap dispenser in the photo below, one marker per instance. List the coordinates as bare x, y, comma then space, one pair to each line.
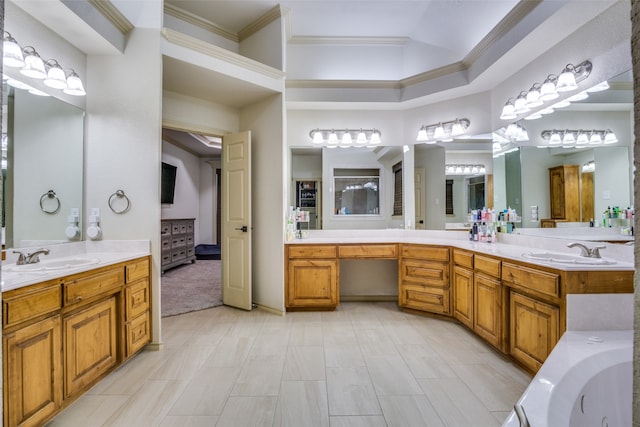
93, 230
73, 230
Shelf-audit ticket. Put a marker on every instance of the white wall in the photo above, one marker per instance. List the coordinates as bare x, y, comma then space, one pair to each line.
124, 99
432, 159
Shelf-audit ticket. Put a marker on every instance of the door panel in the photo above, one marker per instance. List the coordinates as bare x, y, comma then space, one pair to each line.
236, 220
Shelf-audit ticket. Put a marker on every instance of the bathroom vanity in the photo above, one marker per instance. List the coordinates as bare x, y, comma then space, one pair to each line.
64, 329
515, 303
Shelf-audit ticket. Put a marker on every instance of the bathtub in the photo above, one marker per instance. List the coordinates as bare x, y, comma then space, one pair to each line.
585, 381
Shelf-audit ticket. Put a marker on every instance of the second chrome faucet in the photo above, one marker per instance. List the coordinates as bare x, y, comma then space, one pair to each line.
585, 251
31, 258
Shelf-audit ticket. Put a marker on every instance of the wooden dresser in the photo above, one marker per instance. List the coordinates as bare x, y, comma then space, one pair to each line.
177, 242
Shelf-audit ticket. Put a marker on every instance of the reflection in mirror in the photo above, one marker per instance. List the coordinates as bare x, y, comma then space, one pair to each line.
339, 202
603, 173
44, 151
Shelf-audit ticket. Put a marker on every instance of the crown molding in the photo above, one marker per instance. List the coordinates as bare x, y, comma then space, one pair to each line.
225, 55
445, 70
517, 14
272, 15
192, 127
113, 15
205, 24
343, 84
349, 41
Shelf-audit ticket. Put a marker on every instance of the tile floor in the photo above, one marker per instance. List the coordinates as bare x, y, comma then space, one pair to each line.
366, 364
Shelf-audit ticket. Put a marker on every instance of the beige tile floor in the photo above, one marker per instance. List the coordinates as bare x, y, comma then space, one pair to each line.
366, 364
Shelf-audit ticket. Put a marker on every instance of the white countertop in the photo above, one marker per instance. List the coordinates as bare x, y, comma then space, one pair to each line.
102, 253
509, 246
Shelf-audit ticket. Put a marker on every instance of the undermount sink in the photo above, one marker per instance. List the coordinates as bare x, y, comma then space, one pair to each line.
567, 258
54, 264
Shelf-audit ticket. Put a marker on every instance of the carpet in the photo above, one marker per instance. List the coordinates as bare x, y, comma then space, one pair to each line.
191, 287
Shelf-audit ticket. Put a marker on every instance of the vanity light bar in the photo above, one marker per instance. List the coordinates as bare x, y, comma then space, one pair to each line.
549, 90
463, 169
443, 131
346, 137
577, 138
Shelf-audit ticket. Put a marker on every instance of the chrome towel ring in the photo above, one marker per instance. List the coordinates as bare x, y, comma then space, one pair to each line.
55, 202
119, 198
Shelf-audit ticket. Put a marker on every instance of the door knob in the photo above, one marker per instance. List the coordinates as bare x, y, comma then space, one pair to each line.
244, 229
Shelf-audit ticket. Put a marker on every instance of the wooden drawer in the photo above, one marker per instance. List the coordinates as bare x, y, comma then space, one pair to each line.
526, 278
463, 258
308, 251
81, 288
432, 253
425, 272
487, 265
31, 302
138, 333
136, 299
424, 298
368, 251
136, 269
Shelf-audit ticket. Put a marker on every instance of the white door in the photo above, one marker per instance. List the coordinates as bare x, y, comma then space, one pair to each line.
236, 220
419, 198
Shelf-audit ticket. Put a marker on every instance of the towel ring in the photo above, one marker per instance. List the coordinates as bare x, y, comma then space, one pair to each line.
117, 196
50, 195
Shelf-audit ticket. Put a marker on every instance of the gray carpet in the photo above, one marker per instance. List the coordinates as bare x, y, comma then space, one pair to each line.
191, 287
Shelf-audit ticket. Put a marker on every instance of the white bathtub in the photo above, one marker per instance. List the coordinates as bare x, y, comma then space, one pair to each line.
586, 381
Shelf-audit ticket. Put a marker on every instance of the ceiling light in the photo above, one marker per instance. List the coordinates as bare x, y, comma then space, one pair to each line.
508, 111
599, 87
33, 64
56, 77
567, 79
74, 85
12, 52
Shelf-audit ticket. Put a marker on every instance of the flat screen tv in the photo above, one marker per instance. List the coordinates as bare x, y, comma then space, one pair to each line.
168, 183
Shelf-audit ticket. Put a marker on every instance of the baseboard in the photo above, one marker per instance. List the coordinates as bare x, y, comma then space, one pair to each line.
368, 298
270, 310
154, 346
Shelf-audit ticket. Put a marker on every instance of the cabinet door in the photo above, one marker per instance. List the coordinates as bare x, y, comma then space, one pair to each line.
32, 373
534, 330
312, 283
138, 333
90, 347
463, 295
488, 308
556, 182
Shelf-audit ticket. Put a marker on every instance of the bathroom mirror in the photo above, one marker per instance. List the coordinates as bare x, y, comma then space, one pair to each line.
322, 169
612, 178
42, 167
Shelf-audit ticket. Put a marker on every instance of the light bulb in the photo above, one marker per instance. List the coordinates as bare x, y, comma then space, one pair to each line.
333, 138
346, 138
422, 135
12, 52
508, 111
317, 137
567, 80
56, 78
548, 89
610, 137
33, 64
457, 129
375, 137
74, 85
595, 138
555, 139
439, 132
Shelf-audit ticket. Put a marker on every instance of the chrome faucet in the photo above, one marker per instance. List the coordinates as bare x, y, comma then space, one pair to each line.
587, 252
30, 258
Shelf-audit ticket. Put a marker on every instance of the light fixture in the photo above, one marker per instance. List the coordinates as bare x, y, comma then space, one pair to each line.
56, 77
514, 133
567, 79
12, 52
33, 64
579, 138
580, 96
508, 111
589, 166
549, 90
345, 137
464, 169
443, 131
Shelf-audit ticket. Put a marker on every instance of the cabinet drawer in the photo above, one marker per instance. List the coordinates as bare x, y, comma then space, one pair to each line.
178, 241
138, 333
165, 228
425, 272
432, 253
166, 243
166, 258
24, 304
137, 269
136, 299
299, 251
189, 239
424, 298
178, 254
530, 279
463, 258
490, 266
368, 251
83, 288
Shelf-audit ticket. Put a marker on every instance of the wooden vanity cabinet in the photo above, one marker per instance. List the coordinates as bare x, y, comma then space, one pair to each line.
312, 277
424, 278
61, 336
462, 287
534, 313
564, 187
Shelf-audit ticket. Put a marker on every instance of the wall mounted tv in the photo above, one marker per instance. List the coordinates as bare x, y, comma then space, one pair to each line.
168, 183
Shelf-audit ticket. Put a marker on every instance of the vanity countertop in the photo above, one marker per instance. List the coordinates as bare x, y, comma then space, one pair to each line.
512, 247
98, 254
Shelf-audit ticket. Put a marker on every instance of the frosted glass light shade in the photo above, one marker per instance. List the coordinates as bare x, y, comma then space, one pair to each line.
75, 87
56, 77
422, 135
33, 65
439, 132
566, 80
12, 52
346, 139
508, 112
610, 137
548, 90
457, 129
317, 137
555, 139
375, 138
362, 138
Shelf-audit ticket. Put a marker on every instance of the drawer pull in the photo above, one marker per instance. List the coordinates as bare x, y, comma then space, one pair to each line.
78, 298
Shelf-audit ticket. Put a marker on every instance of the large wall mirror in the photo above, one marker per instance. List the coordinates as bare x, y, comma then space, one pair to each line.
42, 167
605, 170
